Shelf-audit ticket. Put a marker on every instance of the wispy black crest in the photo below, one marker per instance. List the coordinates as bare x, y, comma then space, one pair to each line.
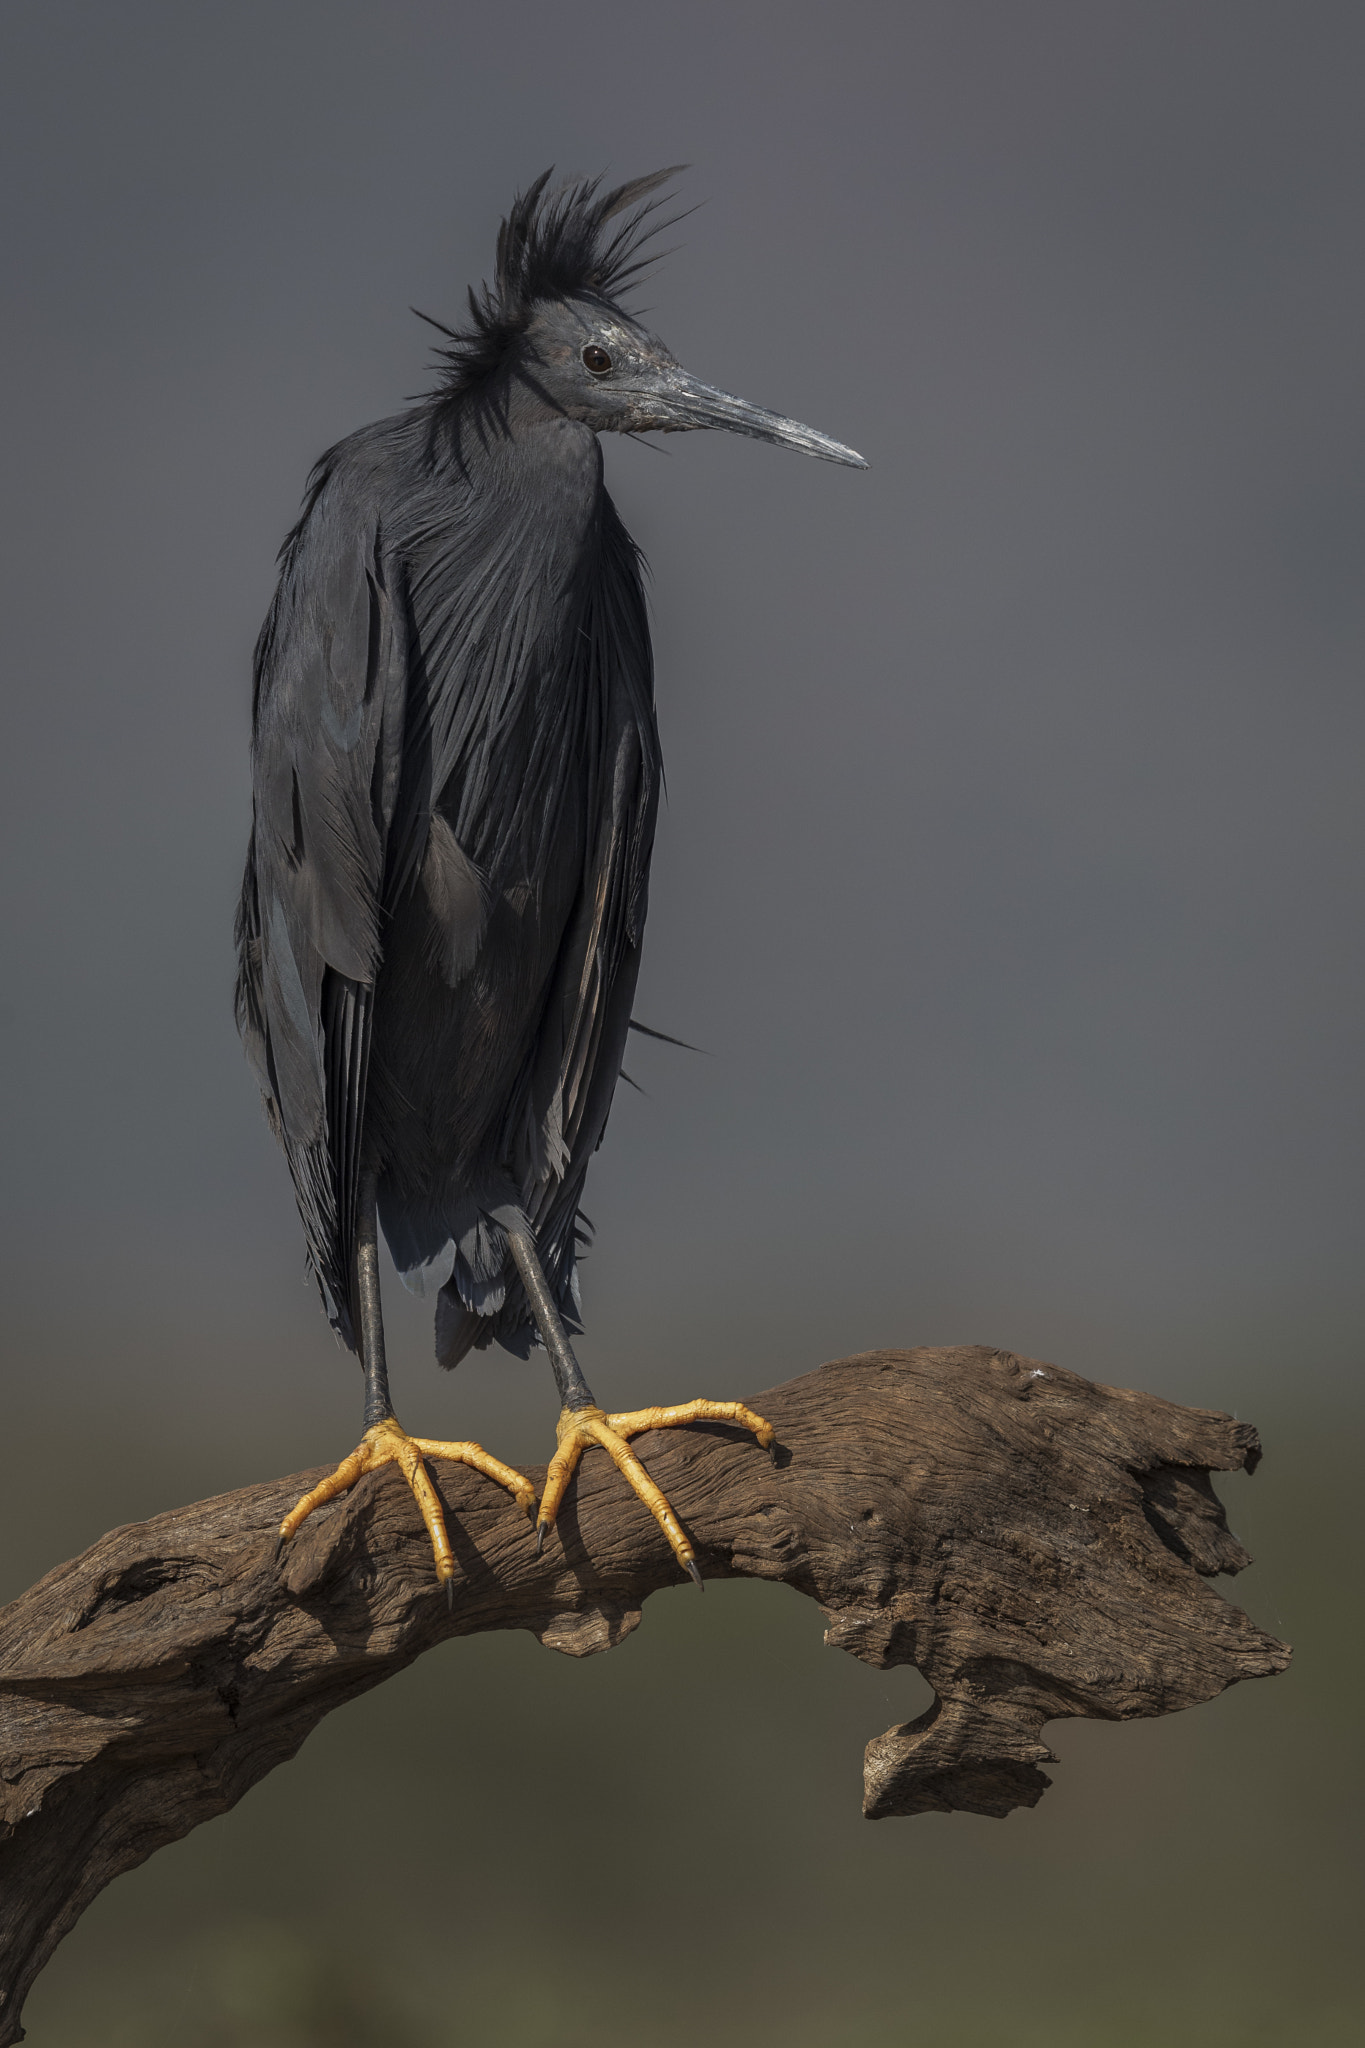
554, 244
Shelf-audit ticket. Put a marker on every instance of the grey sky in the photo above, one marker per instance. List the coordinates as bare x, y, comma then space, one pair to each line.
1011, 869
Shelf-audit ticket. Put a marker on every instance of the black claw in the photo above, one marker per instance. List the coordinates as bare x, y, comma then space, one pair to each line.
772, 1450
450, 1596
542, 1531
694, 1574
276, 1553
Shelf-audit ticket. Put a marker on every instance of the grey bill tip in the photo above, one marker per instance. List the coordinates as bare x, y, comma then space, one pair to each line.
694, 404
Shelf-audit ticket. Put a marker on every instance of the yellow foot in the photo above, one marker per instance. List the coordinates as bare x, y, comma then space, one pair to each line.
580, 1427
387, 1444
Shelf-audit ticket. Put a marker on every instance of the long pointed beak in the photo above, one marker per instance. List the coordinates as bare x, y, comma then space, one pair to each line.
685, 402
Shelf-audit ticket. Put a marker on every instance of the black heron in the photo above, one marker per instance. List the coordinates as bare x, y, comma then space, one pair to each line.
456, 771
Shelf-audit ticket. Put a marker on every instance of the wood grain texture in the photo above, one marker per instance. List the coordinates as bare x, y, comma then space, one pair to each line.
1037, 1546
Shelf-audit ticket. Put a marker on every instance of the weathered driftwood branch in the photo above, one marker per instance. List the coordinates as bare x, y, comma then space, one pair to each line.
1035, 1545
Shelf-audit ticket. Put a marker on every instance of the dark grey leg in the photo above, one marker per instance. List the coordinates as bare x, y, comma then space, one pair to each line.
378, 1406
384, 1443
583, 1425
574, 1391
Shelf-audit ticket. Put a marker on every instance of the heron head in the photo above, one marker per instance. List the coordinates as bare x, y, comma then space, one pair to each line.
593, 363
553, 319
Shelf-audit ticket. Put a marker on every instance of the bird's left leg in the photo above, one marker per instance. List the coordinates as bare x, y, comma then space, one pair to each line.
582, 1423
385, 1441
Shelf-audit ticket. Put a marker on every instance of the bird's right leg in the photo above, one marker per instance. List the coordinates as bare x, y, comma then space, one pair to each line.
385, 1442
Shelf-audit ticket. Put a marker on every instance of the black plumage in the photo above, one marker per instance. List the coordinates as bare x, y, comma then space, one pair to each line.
456, 776
456, 773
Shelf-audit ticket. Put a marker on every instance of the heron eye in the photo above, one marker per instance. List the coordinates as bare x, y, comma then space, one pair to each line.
596, 359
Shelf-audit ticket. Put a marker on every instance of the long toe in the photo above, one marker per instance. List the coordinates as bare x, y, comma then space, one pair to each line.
580, 1428
388, 1444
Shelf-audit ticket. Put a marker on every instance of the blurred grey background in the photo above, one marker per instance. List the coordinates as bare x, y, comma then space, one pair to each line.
1010, 878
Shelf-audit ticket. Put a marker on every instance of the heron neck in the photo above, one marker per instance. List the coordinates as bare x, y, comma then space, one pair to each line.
530, 448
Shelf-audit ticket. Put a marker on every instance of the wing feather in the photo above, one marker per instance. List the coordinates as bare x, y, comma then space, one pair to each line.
326, 742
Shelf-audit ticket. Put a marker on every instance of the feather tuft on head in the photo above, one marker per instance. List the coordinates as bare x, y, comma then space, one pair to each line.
556, 243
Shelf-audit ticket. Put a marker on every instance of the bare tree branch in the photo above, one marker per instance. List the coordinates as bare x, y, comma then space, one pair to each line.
1037, 1546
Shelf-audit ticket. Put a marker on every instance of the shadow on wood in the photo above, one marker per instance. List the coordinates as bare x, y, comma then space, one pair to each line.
1035, 1545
